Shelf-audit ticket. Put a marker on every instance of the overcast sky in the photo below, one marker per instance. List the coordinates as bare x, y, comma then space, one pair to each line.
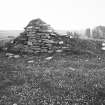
60, 14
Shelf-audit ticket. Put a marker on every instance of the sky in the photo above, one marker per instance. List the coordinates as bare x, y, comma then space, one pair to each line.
60, 14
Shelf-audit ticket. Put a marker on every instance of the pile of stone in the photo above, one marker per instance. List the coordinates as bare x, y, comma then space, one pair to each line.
103, 46
39, 37
10, 55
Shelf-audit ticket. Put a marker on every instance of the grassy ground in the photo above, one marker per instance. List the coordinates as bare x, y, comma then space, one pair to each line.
66, 79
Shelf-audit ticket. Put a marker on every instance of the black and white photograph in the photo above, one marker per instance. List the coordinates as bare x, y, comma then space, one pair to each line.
52, 52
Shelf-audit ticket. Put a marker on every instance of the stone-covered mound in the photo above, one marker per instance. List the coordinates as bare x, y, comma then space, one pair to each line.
39, 37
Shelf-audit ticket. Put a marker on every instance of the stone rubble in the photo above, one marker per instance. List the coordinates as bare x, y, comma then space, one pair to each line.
31, 61
103, 46
10, 55
48, 58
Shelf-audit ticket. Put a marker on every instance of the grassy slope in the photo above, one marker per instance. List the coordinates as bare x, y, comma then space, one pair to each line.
67, 79
77, 79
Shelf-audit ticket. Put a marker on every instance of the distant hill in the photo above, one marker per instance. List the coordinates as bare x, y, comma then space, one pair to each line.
7, 35
10, 33
96, 33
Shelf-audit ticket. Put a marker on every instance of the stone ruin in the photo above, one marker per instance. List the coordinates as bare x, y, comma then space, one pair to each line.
39, 37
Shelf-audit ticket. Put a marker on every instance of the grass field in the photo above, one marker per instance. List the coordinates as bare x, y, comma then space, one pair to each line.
66, 79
